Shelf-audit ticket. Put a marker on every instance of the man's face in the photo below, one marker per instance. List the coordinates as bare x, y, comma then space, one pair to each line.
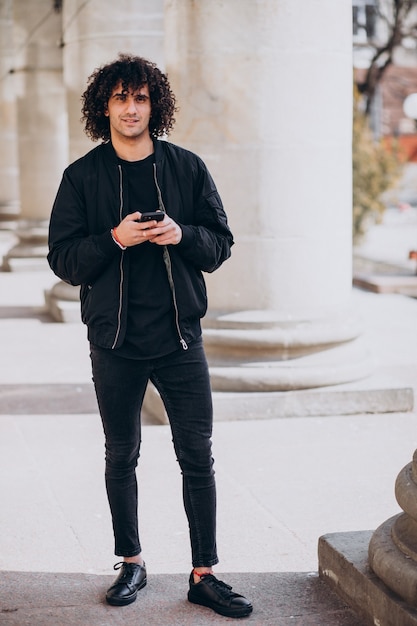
129, 112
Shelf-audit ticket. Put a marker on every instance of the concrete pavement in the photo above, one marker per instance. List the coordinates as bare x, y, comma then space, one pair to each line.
282, 483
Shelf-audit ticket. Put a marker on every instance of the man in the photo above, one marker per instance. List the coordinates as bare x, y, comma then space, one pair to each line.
142, 298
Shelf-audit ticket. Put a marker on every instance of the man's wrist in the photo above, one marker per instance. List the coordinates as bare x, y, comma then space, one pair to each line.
116, 239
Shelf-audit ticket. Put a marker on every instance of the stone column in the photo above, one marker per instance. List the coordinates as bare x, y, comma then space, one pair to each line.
42, 125
9, 189
93, 34
265, 96
393, 546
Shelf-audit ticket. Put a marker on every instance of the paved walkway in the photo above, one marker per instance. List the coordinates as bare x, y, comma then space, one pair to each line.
282, 483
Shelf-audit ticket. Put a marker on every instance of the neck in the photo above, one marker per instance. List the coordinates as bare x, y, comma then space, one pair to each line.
132, 149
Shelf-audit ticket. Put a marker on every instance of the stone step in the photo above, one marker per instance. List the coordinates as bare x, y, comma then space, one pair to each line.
279, 599
343, 563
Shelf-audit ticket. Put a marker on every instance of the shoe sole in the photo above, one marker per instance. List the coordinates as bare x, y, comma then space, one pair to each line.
127, 599
243, 612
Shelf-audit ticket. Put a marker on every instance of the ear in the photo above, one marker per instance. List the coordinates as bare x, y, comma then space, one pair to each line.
106, 112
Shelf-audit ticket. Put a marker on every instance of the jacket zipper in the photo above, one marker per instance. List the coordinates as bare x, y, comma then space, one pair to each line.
119, 313
168, 265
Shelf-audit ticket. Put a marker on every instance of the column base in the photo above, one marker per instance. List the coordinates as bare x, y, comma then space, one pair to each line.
332, 366
390, 563
62, 302
343, 564
31, 249
9, 215
258, 351
249, 381
375, 395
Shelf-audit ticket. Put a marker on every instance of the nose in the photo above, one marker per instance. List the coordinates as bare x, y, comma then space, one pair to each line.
131, 105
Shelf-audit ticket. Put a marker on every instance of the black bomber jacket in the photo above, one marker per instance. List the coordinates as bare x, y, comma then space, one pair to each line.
92, 198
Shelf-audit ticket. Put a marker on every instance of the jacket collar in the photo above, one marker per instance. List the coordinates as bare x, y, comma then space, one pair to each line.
110, 153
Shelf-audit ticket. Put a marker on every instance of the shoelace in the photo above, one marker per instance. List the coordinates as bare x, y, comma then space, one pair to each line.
126, 570
222, 588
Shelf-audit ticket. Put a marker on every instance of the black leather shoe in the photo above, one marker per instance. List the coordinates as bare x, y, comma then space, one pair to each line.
124, 590
218, 596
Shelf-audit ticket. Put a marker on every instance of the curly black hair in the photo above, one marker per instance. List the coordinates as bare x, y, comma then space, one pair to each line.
133, 72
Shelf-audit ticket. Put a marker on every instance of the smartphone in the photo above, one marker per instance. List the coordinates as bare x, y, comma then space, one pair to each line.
153, 215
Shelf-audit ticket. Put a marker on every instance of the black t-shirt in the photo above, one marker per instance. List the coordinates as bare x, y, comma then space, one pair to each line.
151, 328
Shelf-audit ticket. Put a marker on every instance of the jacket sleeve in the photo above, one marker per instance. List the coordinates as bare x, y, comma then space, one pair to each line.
207, 243
75, 255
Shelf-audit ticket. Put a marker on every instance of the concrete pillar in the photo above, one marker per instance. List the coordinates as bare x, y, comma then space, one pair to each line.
42, 125
265, 97
9, 189
93, 34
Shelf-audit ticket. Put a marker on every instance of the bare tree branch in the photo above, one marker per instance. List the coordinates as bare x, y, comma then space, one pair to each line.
398, 29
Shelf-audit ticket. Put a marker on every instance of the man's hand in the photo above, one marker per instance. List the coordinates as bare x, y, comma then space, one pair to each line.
132, 233
165, 232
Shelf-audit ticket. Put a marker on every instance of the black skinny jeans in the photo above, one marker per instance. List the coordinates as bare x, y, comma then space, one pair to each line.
182, 380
